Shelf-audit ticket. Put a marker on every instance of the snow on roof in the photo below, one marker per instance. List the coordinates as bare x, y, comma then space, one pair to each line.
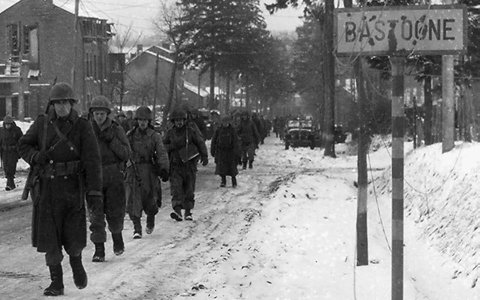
194, 89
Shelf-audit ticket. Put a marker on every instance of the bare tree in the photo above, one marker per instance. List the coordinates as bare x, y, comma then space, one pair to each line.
169, 17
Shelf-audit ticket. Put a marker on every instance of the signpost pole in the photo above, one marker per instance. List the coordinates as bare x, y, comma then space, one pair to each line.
398, 67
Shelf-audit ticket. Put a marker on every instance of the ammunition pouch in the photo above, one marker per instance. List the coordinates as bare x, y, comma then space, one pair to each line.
57, 169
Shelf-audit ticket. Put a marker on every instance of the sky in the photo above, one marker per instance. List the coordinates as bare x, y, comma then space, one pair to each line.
288, 232
140, 13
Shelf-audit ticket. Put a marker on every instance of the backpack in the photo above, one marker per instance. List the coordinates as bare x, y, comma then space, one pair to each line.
224, 139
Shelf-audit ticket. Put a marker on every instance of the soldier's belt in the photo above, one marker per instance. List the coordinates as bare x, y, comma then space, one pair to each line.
52, 170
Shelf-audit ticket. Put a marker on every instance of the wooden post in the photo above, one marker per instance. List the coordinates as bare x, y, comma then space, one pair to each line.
398, 67
362, 175
448, 107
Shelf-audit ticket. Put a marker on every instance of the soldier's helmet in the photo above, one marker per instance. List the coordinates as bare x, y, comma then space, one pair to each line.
178, 114
100, 103
121, 114
61, 91
143, 112
8, 120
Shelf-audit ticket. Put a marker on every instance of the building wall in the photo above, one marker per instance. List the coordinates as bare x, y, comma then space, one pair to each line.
140, 79
55, 28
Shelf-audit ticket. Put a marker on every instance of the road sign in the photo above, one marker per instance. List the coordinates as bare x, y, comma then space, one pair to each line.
401, 30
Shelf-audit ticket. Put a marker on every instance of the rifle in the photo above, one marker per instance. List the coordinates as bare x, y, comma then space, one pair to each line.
135, 172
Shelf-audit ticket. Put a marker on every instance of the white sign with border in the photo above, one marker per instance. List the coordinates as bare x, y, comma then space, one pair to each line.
401, 30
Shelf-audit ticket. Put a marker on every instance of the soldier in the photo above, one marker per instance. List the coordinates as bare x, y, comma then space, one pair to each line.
149, 160
122, 120
198, 120
247, 131
63, 153
9, 135
225, 148
115, 151
184, 145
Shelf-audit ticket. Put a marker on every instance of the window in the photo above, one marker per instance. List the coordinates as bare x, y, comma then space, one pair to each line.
13, 41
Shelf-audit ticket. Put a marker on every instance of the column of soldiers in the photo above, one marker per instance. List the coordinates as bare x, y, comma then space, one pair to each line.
117, 166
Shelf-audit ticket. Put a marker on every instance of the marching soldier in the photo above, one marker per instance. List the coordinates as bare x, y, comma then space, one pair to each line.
63, 153
115, 151
149, 160
184, 145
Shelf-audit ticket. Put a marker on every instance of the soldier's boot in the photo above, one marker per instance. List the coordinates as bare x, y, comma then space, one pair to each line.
234, 181
10, 183
137, 228
99, 255
79, 275
56, 287
177, 214
224, 181
244, 166
250, 164
188, 215
118, 245
150, 224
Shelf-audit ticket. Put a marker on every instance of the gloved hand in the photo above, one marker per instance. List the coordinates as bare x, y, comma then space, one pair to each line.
41, 157
164, 175
95, 203
204, 161
106, 136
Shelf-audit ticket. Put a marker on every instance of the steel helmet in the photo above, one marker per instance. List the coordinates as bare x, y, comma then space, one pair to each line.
100, 103
8, 120
121, 113
61, 91
143, 112
178, 114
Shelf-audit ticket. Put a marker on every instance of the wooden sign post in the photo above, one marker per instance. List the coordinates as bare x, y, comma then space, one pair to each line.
399, 31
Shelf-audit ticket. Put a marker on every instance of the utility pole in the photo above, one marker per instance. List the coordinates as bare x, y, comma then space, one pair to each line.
156, 88
75, 33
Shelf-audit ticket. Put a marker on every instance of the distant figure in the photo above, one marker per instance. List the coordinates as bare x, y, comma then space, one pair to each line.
247, 131
10, 133
225, 147
122, 120
63, 153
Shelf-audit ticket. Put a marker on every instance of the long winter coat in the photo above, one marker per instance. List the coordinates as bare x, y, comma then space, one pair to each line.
58, 213
8, 148
142, 183
115, 154
225, 147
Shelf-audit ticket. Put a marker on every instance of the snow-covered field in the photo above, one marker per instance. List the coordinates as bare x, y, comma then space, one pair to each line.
288, 232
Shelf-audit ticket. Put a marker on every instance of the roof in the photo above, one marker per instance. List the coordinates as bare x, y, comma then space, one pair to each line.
194, 89
82, 10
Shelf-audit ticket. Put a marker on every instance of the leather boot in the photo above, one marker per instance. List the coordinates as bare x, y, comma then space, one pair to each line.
234, 181
150, 224
137, 228
224, 181
118, 246
99, 255
79, 274
56, 287
244, 166
250, 164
